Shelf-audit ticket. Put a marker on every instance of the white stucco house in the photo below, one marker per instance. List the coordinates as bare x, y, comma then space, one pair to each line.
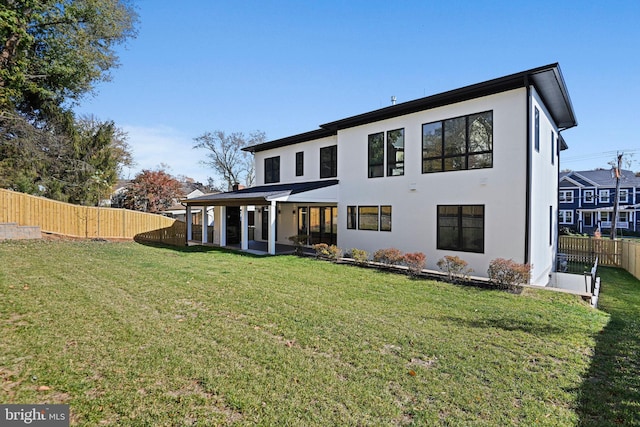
471, 172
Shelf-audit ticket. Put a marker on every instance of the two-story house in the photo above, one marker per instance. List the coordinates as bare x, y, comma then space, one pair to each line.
586, 200
471, 172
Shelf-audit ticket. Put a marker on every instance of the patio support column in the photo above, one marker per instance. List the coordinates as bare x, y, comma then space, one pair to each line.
222, 223
273, 213
244, 233
205, 224
189, 224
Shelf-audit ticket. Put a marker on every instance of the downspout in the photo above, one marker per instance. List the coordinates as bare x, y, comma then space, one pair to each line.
527, 219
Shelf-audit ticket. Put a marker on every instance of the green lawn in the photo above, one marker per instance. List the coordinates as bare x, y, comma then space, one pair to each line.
128, 334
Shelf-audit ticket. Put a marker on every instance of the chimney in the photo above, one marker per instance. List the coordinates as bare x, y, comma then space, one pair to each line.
237, 186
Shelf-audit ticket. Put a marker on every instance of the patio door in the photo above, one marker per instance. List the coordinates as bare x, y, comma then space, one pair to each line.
323, 224
587, 218
233, 224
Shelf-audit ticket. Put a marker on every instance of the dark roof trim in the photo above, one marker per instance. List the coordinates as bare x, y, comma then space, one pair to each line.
547, 80
258, 195
290, 140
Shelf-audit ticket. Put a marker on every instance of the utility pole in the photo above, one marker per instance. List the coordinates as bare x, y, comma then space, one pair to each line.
618, 174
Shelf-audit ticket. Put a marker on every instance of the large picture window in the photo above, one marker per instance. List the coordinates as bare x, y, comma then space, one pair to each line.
272, 170
461, 228
460, 143
329, 162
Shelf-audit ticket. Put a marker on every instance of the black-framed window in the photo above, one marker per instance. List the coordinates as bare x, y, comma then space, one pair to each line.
395, 152
329, 161
368, 218
352, 217
300, 163
536, 136
375, 155
272, 170
460, 143
385, 218
553, 148
461, 228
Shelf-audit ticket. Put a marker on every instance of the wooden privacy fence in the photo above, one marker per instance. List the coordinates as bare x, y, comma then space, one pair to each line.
84, 221
614, 253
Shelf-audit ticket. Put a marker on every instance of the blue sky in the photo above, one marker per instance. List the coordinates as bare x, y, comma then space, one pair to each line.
285, 67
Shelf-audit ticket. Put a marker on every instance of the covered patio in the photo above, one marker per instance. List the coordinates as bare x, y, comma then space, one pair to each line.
277, 206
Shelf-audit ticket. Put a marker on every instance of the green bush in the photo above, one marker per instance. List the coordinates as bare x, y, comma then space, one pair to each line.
325, 251
360, 256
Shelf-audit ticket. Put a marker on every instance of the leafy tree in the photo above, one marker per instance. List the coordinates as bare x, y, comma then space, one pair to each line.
152, 191
226, 157
54, 51
78, 165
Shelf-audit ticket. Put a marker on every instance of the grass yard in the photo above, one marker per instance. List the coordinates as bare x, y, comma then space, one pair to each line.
128, 334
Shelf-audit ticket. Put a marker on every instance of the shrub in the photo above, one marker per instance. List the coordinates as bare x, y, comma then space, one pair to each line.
506, 273
325, 251
298, 241
390, 256
360, 256
455, 267
415, 261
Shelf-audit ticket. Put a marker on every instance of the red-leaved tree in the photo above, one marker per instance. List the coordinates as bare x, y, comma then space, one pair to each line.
152, 191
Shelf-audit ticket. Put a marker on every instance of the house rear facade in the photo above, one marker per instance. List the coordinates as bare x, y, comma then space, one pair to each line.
470, 172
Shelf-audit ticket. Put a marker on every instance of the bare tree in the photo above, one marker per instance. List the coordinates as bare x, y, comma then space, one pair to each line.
226, 157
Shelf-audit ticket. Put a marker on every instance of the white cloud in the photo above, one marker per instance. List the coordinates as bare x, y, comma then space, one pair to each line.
156, 145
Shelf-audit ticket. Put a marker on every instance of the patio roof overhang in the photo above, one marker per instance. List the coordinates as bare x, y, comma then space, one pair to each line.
325, 191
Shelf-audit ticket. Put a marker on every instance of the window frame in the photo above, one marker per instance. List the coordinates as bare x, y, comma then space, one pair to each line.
360, 216
352, 217
375, 141
536, 136
300, 163
329, 169
460, 244
442, 156
385, 225
626, 196
272, 170
604, 196
589, 193
562, 196
392, 164
563, 214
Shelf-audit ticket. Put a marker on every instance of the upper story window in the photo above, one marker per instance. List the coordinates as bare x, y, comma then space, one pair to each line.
375, 155
394, 150
623, 196
589, 196
537, 129
272, 170
553, 148
300, 163
604, 196
460, 143
329, 161
566, 196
